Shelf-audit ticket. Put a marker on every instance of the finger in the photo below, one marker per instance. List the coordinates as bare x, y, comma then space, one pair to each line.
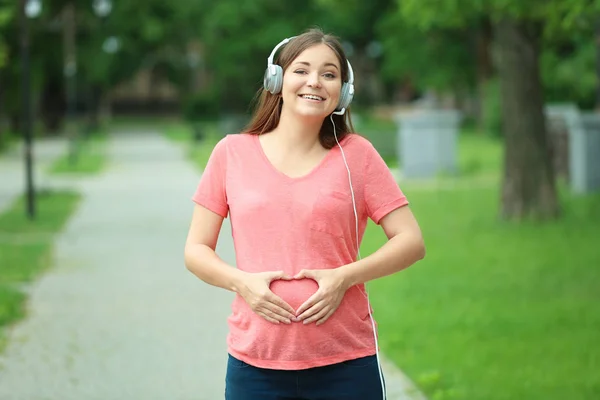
282, 305
275, 313
318, 306
267, 317
326, 317
278, 313
311, 301
321, 313
278, 275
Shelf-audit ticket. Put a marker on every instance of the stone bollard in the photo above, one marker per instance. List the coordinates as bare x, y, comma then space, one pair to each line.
584, 152
557, 118
427, 142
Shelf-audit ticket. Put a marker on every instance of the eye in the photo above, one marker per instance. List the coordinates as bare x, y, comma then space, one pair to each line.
299, 71
329, 75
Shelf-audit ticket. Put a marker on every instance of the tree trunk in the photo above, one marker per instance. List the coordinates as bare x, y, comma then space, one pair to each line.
598, 65
528, 188
2, 131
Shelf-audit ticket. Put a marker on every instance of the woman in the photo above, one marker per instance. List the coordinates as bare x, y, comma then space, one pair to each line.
298, 190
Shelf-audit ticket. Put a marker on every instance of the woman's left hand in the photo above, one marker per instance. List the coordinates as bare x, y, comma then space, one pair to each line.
323, 303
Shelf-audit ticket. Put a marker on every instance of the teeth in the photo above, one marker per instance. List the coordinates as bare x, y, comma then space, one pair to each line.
311, 97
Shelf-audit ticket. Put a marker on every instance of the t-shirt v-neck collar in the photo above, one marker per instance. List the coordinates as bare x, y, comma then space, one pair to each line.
286, 177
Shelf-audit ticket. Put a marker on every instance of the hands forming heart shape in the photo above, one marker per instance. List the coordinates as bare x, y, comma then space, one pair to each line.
317, 308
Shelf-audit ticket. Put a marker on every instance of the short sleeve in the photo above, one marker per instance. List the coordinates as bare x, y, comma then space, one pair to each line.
381, 191
211, 191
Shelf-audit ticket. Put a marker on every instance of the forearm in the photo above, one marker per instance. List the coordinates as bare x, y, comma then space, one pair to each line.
398, 253
203, 262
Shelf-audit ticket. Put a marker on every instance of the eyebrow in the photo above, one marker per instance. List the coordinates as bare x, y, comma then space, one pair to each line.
326, 64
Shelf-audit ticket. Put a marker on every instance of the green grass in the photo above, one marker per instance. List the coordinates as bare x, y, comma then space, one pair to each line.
198, 151
7, 139
478, 154
496, 310
89, 159
25, 247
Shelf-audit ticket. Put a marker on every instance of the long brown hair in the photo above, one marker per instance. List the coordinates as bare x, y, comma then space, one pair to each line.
268, 109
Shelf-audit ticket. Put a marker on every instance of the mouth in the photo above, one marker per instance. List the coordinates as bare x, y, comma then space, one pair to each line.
311, 97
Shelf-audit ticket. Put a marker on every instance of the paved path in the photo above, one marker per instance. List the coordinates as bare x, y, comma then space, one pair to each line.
119, 317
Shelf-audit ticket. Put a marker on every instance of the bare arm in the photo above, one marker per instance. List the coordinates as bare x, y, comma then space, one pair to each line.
202, 260
404, 247
200, 257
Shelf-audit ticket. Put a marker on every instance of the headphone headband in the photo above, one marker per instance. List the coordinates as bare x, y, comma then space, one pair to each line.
286, 40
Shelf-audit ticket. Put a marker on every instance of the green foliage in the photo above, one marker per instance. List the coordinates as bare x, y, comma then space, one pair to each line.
409, 54
492, 113
569, 70
6, 15
25, 247
203, 105
557, 14
429, 14
354, 21
237, 55
430, 30
428, 43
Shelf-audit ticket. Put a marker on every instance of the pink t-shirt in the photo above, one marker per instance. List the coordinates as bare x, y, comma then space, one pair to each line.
290, 224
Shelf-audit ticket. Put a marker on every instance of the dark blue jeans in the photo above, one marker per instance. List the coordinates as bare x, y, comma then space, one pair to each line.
350, 380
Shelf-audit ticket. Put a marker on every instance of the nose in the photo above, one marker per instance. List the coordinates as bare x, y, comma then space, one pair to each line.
314, 80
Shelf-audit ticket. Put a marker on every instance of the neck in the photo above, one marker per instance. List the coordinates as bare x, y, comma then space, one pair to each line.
299, 133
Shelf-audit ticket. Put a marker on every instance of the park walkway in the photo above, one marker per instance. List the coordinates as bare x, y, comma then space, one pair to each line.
119, 317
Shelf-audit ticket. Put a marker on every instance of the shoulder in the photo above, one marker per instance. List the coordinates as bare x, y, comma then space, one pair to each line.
355, 142
235, 139
232, 142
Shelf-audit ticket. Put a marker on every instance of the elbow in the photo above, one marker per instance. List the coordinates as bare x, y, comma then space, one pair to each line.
188, 257
420, 249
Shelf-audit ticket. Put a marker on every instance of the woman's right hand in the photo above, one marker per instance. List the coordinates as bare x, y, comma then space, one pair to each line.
257, 293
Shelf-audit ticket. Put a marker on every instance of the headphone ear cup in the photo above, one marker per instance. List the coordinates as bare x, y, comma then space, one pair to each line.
346, 95
273, 79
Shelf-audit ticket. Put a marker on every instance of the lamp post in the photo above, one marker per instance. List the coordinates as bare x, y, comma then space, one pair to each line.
102, 9
70, 75
27, 9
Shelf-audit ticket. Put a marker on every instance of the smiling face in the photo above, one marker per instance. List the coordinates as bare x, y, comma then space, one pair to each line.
312, 83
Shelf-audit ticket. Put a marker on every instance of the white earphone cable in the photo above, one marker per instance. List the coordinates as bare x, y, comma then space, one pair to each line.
359, 256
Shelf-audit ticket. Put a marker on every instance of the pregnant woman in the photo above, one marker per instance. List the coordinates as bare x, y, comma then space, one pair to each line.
299, 187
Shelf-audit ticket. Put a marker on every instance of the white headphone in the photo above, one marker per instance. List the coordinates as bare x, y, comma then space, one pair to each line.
273, 80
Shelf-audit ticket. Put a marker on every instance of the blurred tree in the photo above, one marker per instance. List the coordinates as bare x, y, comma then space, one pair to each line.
355, 22
237, 55
6, 15
409, 51
569, 71
528, 188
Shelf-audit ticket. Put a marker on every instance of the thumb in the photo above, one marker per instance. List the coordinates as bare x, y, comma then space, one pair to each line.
305, 273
